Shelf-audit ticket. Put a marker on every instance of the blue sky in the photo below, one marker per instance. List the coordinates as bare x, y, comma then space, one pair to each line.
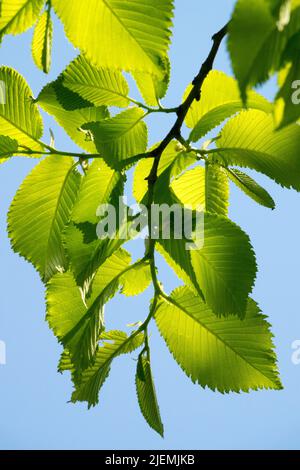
34, 413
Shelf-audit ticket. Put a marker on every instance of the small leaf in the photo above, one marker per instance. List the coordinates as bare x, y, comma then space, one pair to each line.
147, 395
114, 344
8, 147
42, 42
251, 188
76, 321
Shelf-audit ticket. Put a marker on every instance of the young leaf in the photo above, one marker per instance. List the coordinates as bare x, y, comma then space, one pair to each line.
223, 270
251, 188
97, 85
131, 36
42, 42
114, 344
19, 116
71, 120
203, 187
147, 395
220, 99
249, 140
37, 216
18, 15
76, 321
121, 137
8, 147
222, 354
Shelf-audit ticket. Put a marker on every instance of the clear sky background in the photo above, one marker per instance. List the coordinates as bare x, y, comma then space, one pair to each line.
34, 413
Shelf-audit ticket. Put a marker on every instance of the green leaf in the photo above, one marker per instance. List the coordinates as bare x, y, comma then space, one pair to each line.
151, 87
77, 321
281, 9
19, 116
257, 40
204, 189
42, 42
163, 193
129, 36
220, 99
137, 279
71, 120
174, 161
65, 362
8, 147
250, 140
97, 85
147, 395
287, 102
120, 137
251, 188
98, 186
223, 270
38, 215
87, 253
222, 354
225, 267
179, 259
18, 15
114, 343
143, 168
286, 106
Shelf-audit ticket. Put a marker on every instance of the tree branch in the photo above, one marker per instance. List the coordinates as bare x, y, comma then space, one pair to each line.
194, 95
175, 133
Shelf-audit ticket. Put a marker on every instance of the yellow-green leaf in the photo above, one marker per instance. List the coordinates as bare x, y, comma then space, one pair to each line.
18, 15
42, 42
40, 211
222, 354
19, 115
131, 36
97, 85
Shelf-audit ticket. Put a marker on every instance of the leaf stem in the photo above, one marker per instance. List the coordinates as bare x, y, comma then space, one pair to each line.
150, 110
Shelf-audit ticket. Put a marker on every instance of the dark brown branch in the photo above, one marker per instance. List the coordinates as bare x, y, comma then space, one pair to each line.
182, 110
